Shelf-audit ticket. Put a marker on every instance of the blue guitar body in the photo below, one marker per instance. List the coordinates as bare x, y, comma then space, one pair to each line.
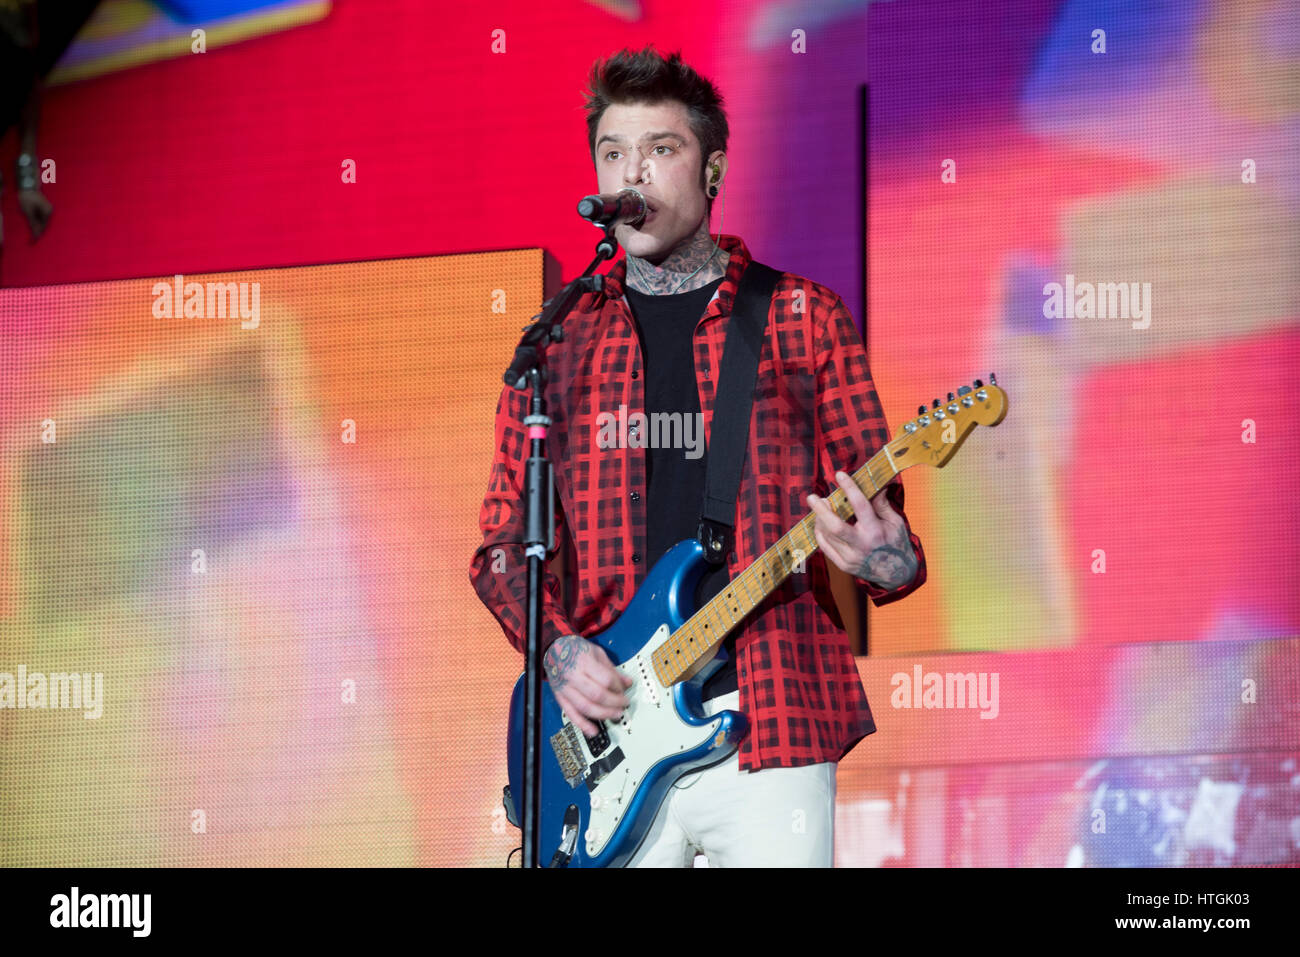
599, 796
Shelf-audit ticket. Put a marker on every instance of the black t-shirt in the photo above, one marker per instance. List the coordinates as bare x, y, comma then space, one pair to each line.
675, 480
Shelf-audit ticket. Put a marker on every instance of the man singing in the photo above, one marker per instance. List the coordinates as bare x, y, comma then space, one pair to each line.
652, 342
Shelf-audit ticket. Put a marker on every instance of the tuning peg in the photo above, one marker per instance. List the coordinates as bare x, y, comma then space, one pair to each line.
921, 410
993, 378
963, 390
936, 404
951, 397
979, 383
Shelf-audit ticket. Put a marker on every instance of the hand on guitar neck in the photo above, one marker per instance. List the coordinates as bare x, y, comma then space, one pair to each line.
585, 683
876, 548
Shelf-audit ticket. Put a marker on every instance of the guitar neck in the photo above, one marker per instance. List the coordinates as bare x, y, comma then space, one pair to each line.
932, 438
691, 646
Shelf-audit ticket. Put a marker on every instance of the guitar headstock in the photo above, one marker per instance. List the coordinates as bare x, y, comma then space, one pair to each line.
935, 435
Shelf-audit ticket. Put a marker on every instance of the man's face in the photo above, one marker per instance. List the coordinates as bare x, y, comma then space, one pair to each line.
652, 149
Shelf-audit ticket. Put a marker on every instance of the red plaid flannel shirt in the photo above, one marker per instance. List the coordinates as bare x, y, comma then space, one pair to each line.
815, 412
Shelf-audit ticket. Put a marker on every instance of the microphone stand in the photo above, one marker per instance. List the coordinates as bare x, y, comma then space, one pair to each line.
529, 370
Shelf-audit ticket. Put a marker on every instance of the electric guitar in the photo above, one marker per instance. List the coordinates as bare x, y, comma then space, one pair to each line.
600, 794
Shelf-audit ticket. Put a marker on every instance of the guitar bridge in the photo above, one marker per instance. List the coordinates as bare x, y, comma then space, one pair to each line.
568, 751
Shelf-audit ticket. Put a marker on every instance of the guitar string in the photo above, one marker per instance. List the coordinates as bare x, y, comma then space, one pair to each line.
709, 614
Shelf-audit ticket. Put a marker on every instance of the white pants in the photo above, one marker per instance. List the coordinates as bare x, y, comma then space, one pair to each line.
776, 817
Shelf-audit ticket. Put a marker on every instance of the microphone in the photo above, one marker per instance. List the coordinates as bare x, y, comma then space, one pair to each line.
607, 209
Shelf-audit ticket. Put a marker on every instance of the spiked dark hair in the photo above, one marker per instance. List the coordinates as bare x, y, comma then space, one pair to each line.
649, 77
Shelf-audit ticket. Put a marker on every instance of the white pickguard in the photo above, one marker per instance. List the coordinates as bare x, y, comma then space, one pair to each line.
649, 732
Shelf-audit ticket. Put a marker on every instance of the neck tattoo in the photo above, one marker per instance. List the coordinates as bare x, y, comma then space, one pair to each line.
698, 255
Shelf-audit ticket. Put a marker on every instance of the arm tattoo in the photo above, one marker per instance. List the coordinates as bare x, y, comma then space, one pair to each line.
891, 565
561, 659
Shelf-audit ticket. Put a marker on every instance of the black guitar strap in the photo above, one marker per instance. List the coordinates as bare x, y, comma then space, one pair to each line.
732, 408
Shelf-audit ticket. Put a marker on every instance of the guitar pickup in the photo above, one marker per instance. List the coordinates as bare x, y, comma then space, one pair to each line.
598, 742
